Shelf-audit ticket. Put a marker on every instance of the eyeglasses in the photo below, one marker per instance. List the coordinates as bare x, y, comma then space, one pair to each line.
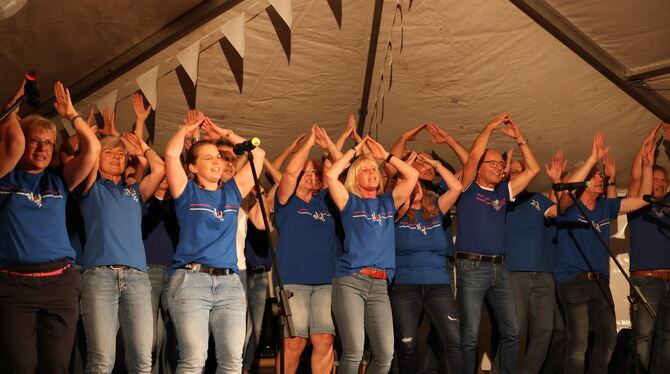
46, 144
495, 163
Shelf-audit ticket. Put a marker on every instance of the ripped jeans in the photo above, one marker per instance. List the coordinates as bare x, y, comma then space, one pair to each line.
409, 302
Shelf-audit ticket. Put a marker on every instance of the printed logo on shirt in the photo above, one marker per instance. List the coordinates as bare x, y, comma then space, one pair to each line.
596, 225
34, 197
129, 191
374, 217
319, 216
418, 226
536, 205
495, 204
660, 212
217, 213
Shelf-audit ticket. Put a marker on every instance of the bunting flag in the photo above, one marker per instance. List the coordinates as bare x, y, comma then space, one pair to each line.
147, 83
285, 10
621, 223
109, 101
188, 58
233, 30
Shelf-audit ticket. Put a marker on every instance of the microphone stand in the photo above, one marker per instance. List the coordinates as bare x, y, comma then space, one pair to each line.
18, 102
280, 305
636, 296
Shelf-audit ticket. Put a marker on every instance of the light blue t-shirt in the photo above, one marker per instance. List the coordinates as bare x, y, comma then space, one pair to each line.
207, 226
112, 216
370, 239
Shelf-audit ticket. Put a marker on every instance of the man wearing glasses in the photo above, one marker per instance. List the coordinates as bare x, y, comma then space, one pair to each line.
482, 273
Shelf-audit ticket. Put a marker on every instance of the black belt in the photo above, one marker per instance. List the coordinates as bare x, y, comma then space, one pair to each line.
208, 270
258, 269
496, 259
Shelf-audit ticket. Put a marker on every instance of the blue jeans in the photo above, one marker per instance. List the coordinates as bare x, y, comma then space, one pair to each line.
485, 280
198, 301
257, 293
588, 305
409, 302
361, 304
162, 361
113, 298
655, 357
535, 299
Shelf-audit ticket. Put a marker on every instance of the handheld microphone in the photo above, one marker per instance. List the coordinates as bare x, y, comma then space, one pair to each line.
245, 146
570, 186
31, 90
655, 200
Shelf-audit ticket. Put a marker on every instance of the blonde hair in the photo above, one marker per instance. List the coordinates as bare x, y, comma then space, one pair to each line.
112, 142
356, 166
35, 121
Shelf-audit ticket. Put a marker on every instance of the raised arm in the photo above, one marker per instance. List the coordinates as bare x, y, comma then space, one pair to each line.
76, 170
520, 183
176, 176
12, 140
609, 166
150, 182
554, 172
447, 199
347, 133
279, 161
636, 168
441, 136
598, 151
633, 203
324, 141
478, 148
409, 175
109, 124
289, 179
337, 191
399, 148
141, 114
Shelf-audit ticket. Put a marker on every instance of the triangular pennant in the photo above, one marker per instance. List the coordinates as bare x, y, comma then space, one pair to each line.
147, 83
188, 58
108, 101
233, 30
285, 10
67, 126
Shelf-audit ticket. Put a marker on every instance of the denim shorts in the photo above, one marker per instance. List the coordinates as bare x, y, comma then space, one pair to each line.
310, 307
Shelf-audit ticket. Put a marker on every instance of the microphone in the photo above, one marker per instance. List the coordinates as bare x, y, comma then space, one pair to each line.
570, 186
246, 146
656, 200
32, 93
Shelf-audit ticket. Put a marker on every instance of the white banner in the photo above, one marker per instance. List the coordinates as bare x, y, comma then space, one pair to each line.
285, 10
109, 101
233, 30
147, 83
188, 58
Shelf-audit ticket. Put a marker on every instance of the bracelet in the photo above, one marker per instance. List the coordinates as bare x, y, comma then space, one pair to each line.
75, 117
147, 150
613, 183
522, 143
228, 133
388, 158
354, 149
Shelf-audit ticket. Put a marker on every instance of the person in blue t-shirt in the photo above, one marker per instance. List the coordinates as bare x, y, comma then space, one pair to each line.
650, 266
531, 263
367, 262
204, 289
582, 264
39, 290
306, 252
116, 290
482, 273
422, 281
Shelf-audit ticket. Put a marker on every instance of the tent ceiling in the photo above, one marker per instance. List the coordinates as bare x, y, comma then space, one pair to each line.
460, 64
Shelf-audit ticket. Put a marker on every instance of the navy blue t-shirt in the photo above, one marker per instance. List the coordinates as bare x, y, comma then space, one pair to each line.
579, 250
307, 242
525, 248
481, 219
370, 236
32, 218
420, 250
160, 230
207, 226
112, 216
650, 237
257, 248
